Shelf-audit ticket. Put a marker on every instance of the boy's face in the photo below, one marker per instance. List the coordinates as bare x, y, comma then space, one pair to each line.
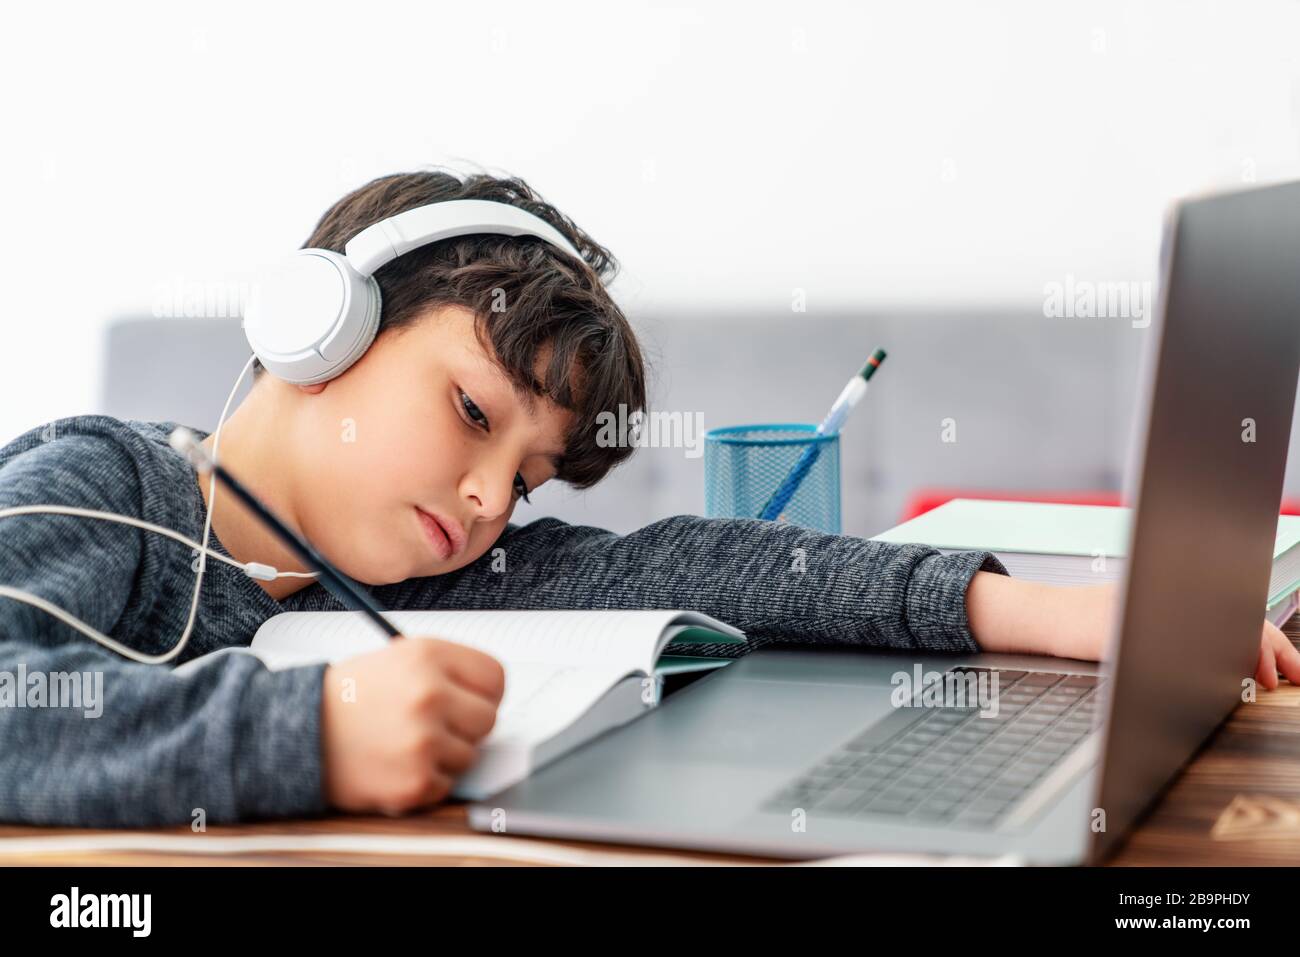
396, 435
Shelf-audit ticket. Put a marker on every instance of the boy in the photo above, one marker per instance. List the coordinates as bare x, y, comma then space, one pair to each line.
405, 471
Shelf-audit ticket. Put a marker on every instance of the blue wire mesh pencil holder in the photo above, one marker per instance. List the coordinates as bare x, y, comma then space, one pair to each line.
748, 468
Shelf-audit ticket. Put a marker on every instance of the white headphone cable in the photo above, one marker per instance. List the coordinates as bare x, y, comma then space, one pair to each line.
255, 570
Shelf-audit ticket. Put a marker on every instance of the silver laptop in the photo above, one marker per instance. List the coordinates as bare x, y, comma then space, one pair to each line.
799, 753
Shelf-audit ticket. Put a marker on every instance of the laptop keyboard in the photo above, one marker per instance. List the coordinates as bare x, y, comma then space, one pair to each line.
949, 765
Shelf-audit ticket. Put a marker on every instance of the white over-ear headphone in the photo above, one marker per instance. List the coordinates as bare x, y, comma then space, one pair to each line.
309, 318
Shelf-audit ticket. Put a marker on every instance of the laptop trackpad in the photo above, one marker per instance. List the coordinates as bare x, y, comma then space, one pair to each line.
738, 719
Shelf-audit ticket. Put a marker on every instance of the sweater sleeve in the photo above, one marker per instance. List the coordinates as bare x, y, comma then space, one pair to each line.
774, 581
90, 738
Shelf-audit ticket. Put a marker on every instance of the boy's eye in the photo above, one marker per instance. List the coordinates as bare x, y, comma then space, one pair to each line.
476, 415
474, 411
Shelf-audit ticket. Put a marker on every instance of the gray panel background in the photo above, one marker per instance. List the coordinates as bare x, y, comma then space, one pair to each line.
1040, 404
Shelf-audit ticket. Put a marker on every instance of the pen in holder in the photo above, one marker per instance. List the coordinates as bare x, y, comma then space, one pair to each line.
750, 468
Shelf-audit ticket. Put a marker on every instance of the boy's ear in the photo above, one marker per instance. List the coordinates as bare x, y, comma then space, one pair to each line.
316, 388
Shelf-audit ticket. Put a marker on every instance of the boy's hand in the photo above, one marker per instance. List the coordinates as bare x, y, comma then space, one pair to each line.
1276, 653
400, 723
1017, 616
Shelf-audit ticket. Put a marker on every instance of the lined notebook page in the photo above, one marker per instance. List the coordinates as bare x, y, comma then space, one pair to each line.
542, 700
576, 637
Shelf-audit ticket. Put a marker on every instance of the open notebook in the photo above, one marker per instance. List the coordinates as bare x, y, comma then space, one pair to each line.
570, 674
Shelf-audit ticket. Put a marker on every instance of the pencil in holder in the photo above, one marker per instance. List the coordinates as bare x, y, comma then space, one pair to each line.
786, 472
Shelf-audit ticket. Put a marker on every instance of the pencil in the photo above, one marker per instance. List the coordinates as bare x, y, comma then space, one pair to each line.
852, 394
336, 582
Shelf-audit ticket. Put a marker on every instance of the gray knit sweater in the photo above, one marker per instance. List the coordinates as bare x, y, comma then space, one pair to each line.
235, 741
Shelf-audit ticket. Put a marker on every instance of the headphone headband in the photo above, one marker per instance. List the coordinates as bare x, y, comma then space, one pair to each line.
317, 314
380, 244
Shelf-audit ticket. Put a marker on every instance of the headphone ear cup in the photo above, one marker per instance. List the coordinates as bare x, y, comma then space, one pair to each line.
311, 316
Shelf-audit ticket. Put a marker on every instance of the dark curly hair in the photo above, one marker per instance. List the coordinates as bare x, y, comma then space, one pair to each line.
524, 294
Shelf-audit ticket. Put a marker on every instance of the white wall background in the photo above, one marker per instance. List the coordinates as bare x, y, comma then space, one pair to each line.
727, 153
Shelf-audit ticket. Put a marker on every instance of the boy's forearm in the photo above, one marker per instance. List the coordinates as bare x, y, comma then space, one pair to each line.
774, 581
142, 747
1014, 616
1008, 614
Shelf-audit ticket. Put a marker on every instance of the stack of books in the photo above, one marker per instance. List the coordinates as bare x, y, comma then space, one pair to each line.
1072, 544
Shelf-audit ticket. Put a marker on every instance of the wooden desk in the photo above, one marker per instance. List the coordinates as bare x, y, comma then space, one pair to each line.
1238, 803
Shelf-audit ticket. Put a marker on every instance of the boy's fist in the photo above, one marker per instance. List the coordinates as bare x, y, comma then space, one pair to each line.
400, 723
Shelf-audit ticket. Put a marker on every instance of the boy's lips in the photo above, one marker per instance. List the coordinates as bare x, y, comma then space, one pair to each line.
446, 534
